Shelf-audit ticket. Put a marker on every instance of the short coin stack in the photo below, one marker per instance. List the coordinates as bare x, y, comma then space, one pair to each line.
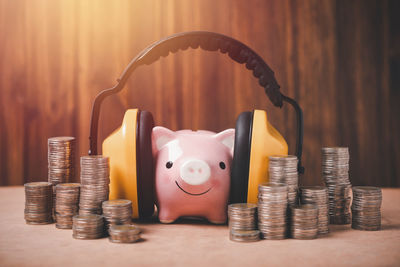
304, 221
317, 195
117, 211
366, 208
67, 204
88, 226
124, 233
95, 178
272, 208
244, 235
242, 222
335, 172
283, 170
38, 203
242, 216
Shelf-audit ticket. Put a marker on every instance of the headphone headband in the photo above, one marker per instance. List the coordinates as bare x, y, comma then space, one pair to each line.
209, 41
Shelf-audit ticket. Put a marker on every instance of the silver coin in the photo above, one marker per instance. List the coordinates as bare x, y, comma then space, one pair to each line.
125, 233
244, 235
66, 204
366, 213
118, 211
38, 203
88, 226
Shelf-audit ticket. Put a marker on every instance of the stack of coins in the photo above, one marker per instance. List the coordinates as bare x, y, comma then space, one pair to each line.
124, 233
38, 203
272, 207
95, 178
317, 195
118, 211
88, 226
242, 216
244, 235
242, 222
61, 159
335, 172
304, 221
67, 204
283, 170
366, 207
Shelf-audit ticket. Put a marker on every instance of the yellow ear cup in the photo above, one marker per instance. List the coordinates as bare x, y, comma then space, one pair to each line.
265, 141
120, 147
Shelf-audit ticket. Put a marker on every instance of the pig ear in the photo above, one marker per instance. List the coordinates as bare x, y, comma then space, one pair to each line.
161, 136
227, 138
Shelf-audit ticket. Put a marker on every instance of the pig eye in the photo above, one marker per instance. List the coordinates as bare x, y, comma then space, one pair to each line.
169, 164
222, 165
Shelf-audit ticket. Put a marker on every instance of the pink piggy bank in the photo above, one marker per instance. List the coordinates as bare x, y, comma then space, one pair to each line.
192, 173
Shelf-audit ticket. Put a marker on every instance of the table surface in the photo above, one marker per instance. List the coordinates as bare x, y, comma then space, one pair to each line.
194, 243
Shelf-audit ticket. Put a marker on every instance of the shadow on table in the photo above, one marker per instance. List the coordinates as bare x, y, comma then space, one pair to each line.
339, 227
390, 227
181, 221
184, 220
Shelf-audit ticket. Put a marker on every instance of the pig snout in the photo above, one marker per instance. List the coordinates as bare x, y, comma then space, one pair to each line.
195, 171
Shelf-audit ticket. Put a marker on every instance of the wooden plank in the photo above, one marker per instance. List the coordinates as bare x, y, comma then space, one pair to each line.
339, 59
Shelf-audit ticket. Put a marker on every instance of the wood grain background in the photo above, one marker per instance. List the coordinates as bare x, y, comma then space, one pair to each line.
339, 59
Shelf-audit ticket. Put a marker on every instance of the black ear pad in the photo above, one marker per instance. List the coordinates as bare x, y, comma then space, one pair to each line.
241, 158
144, 163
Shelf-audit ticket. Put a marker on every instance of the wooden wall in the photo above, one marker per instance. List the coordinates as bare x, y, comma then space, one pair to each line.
339, 59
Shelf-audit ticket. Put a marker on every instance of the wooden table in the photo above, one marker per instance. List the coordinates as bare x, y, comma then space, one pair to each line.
193, 243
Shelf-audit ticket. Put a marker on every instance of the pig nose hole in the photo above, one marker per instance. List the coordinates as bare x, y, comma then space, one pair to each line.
195, 171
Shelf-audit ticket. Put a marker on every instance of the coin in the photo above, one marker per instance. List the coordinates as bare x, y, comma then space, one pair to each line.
117, 211
335, 173
317, 195
38, 203
242, 216
88, 226
244, 235
283, 170
95, 179
272, 210
67, 204
304, 221
61, 161
124, 233
366, 207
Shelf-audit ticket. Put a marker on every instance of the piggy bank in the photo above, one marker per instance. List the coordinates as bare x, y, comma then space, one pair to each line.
192, 173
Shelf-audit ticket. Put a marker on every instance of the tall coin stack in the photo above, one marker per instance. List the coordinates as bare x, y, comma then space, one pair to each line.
335, 172
317, 195
88, 226
117, 211
124, 233
67, 204
304, 221
242, 222
95, 178
283, 170
272, 205
366, 208
61, 161
38, 203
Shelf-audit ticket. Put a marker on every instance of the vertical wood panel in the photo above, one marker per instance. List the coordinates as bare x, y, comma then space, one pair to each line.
339, 59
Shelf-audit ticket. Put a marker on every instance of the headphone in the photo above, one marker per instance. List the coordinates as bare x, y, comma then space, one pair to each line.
247, 143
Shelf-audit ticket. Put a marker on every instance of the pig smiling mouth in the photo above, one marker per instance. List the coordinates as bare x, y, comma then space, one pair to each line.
192, 194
